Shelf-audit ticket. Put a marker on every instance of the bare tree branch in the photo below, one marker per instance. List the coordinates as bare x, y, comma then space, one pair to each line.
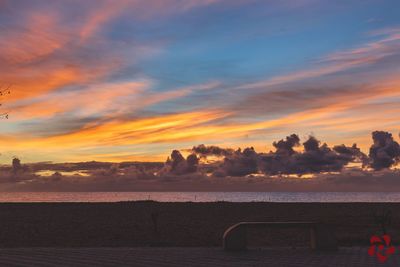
3, 92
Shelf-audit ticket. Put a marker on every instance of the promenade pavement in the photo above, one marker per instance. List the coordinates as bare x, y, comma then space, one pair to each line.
175, 256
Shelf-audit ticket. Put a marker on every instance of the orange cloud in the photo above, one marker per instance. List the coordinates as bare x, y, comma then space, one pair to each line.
101, 14
147, 130
39, 37
198, 126
96, 99
101, 100
32, 66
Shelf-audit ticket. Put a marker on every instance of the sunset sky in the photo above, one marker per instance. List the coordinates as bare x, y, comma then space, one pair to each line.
131, 80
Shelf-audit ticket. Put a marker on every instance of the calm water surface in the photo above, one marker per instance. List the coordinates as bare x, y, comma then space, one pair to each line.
200, 196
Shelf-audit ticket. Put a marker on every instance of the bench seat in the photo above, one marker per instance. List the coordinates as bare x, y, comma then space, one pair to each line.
322, 236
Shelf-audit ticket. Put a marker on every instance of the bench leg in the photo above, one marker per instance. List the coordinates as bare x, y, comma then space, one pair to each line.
236, 240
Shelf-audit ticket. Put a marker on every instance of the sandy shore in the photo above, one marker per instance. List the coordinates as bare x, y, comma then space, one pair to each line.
130, 224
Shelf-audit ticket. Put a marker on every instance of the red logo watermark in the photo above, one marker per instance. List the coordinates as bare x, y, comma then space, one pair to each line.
381, 247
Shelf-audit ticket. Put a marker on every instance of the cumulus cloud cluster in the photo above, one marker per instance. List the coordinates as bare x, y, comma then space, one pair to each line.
177, 164
385, 151
313, 158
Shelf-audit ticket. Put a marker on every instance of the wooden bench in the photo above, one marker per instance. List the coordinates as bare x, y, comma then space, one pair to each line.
322, 236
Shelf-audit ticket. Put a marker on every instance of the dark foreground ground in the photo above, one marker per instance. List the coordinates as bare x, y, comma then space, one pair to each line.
133, 224
190, 257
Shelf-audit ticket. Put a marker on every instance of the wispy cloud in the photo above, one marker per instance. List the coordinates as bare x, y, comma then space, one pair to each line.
366, 55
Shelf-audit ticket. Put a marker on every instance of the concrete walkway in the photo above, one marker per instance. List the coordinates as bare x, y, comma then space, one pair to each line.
153, 257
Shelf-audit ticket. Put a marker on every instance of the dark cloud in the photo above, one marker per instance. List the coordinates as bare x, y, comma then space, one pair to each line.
286, 146
312, 144
177, 161
353, 154
192, 162
385, 152
178, 165
63, 124
239, 163
204, 151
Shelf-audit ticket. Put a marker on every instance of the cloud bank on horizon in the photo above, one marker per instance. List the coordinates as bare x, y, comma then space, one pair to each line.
133, 80
316, 167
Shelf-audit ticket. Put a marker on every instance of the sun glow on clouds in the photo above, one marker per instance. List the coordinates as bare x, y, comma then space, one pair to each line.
86, 79
166, 128
94, 99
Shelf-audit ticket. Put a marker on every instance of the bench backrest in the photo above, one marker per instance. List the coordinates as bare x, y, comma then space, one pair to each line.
322, 236
271, 224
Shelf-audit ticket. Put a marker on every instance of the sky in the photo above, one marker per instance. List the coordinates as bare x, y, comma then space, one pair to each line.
130, 80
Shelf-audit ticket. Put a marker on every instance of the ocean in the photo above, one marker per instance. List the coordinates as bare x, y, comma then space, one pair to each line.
200, 196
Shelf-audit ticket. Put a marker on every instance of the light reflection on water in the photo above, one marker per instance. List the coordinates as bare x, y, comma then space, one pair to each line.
200, 196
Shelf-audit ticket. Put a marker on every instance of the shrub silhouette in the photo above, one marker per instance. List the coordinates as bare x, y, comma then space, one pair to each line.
16, 165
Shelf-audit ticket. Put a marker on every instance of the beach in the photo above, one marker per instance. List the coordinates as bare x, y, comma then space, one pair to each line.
188, 224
